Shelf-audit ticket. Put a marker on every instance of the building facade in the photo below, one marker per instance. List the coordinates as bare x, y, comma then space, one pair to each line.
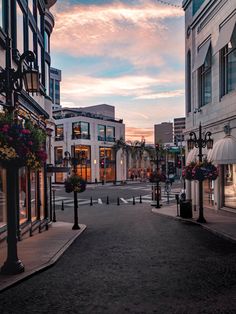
163, 133
29, 25
89, 134
179, 129
210, 32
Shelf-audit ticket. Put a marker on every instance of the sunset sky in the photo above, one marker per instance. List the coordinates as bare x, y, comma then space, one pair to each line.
129, 54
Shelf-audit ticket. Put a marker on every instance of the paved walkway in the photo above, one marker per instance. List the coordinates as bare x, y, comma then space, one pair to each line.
221, 222
40, 251
43, 250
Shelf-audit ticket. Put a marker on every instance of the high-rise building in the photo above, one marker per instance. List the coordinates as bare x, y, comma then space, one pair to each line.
179, 128
55, 79
163, 133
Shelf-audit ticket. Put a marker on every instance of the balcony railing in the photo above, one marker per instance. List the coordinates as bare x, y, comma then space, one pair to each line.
80, 136
107, 139
59, 138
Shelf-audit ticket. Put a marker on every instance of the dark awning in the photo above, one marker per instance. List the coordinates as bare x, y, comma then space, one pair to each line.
201, 56
225, 34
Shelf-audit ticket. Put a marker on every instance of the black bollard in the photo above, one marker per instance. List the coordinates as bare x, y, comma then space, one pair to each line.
118, 201
91, 201
133, 200
140, 199
62, 205
107, 200
54, 206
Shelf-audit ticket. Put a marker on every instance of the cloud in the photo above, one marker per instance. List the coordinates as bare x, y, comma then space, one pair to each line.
168, 94
133, 133
137, 33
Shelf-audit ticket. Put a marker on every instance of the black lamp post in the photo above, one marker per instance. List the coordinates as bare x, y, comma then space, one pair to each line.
74, 162
11, 82
200, 143
157, 172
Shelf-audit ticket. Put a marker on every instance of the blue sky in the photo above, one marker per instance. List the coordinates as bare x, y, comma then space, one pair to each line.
129, 54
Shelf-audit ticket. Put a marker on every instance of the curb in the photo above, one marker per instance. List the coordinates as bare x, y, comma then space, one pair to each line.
52, 260
219, 234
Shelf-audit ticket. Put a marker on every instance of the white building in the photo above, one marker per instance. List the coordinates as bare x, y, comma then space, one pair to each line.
211, 92
89, 134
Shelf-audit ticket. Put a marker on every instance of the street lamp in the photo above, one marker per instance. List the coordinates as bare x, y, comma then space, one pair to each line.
157, 147
74, 162
11, 82
200, 143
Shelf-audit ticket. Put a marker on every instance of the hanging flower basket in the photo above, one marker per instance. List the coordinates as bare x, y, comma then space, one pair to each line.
187, 171
21, 143
200, 171
154, 177
75, 183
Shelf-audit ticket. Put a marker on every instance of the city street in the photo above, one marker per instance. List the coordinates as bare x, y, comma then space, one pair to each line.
99, 194
130, 260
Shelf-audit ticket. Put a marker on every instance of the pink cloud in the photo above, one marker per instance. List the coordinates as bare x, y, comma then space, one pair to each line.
137, 33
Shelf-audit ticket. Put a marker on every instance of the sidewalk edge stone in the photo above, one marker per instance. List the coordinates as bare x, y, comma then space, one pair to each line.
52, 260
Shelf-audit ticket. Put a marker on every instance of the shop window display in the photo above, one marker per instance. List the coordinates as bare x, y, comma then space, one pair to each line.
3, 211
230, 185
23, 206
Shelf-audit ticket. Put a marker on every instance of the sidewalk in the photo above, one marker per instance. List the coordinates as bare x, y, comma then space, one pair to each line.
40, 251
221, 222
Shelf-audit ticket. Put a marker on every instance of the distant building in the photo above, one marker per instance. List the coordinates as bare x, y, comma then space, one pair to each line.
55, 79
89, 134
179, 127
163, 133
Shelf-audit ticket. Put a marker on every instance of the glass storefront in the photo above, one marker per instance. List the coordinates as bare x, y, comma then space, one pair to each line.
23, 204
107, 164
33, 195
41, 193
83, 155
208, 188
3, 188
229, 174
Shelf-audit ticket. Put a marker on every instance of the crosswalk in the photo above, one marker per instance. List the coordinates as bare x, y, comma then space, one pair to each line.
69, 202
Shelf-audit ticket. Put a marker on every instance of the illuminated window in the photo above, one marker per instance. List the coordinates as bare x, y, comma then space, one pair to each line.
59, 132
80, 130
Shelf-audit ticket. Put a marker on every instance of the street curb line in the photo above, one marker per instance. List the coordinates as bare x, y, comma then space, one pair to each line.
26, 275
221, 235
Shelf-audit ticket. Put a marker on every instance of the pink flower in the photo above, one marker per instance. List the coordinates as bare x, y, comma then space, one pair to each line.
30, 143
25, 131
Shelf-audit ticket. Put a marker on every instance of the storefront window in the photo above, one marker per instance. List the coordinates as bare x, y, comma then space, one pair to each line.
59, 132
33, 195
80, 130
107, 164
110, 133
58, 157
19, 29
83, 154
229, 185
23, 206
101, 132
41, 193
3, 204
208, 186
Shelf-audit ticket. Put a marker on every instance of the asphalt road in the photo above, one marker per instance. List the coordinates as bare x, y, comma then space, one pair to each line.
130, 260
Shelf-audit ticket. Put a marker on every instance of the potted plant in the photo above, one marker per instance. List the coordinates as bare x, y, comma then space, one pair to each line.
187, 171
75, 183
204, 170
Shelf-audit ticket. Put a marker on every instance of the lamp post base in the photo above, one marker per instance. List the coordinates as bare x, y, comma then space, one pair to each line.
76, 227
201, 220
12, 267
